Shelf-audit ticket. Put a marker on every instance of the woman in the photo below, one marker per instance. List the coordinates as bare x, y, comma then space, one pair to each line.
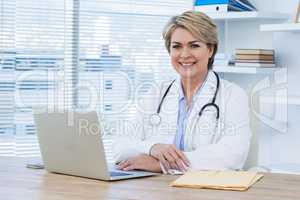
197, 122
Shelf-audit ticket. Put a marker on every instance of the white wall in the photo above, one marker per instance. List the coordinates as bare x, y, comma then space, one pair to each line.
278, 149
284, 148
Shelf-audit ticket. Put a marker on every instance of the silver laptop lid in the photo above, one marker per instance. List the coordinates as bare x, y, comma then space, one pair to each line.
71, 143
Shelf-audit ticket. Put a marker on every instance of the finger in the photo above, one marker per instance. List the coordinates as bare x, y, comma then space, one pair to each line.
173, 160
181, 165
174, 166
177, 155
130, 167
167, 163
182, 157
120, 164
124, 164
185, 167
168, 156
164, 162
163, 168
177, 161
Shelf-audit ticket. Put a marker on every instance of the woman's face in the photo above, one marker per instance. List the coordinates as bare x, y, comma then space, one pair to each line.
189, 56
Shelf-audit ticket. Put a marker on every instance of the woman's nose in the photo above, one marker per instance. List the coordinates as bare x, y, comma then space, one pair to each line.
185, 53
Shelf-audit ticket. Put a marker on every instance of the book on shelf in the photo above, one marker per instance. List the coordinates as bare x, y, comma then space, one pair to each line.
253, 61
255, 51
246, 64
254, 57
209, 6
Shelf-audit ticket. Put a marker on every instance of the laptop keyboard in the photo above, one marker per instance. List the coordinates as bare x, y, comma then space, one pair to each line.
118, 174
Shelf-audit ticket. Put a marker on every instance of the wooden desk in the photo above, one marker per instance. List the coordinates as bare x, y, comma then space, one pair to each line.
18, 182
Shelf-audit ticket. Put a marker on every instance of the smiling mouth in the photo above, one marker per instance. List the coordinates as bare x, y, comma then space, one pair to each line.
187, 65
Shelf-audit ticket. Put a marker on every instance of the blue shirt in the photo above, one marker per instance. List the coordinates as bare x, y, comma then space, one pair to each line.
183, 115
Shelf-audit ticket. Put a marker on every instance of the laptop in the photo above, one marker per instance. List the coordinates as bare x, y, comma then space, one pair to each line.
71, 144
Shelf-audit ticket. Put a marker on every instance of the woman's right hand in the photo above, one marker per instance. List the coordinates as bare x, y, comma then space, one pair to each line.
170, 156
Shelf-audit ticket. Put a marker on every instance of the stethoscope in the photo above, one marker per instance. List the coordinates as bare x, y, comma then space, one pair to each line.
155, 118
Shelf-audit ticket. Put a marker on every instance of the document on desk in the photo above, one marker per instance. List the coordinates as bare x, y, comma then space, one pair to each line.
222, 180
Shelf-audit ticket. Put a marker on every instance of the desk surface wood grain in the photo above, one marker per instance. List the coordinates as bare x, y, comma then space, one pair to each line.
18, 182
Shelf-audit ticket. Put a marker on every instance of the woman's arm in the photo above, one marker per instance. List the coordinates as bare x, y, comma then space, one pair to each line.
140, 162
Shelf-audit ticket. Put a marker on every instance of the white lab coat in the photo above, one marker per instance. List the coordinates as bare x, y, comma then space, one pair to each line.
207, 146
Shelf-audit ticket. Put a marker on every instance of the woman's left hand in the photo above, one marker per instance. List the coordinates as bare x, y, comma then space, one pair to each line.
140, 162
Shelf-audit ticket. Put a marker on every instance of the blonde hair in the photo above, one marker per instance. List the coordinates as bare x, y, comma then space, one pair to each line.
199, 25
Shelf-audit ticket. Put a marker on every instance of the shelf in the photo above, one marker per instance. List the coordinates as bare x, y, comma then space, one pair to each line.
289, 100
280, 27
246, 15
244, 70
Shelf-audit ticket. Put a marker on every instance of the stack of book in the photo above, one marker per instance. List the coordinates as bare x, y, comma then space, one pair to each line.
254, 58
209, 6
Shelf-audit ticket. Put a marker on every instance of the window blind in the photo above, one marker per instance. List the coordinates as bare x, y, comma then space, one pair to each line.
37, 51
87, 54
7, 76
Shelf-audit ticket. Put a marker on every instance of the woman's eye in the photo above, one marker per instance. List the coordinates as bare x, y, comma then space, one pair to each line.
195, 45
175, 46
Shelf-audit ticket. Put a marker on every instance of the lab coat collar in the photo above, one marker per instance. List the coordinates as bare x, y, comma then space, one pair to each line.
208, 88
205, 92
202, 97
181, 93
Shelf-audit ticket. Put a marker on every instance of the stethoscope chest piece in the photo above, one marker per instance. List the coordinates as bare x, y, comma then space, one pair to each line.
155, 119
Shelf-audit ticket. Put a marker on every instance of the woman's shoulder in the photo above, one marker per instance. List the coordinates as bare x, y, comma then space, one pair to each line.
232, 89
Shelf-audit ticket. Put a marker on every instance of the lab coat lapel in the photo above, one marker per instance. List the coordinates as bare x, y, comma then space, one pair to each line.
202, 97
170, 111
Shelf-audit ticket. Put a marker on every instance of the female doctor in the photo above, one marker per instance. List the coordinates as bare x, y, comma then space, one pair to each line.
197, 122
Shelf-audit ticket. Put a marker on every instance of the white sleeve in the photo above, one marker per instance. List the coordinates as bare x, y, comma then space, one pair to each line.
125, 148
231, 149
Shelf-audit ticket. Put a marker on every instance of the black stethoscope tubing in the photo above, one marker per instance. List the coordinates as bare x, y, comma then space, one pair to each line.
212, 103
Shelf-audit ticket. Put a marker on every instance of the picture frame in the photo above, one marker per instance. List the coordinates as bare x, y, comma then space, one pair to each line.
297, 13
